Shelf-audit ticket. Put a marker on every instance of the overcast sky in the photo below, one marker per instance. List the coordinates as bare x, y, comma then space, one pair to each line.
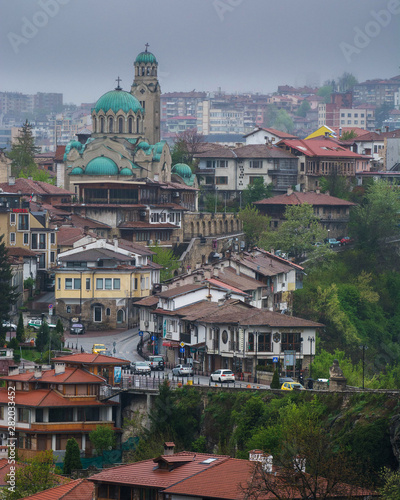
79, 47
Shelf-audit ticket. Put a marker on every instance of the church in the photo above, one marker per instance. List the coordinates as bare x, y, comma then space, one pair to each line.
121, 173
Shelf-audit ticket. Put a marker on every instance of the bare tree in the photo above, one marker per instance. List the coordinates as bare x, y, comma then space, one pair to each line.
186, 145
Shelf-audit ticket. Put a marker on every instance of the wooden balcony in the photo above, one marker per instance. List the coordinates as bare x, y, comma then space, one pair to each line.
67, 426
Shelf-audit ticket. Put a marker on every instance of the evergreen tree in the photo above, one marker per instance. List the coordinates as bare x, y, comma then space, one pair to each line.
8, 293
59, 327
72, 459
20, 334
275, 381
43, 337
254, 224
22, 153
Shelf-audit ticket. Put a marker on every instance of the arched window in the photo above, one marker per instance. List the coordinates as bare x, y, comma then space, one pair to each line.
120, 125
102, 125
148, 70
108, 311
137, 125
110, 125
94, 124
130, 125
68, 309
120, 316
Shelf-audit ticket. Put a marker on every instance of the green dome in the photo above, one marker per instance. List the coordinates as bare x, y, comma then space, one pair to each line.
77, 171
125, 171
101, 166
116, 100
182, 170
146, 57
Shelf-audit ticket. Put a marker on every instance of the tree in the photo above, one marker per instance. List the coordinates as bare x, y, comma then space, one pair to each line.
346, 82
72, 459
20, 334
102, 438
254, 224
59, 327
304, 108
256, 191
376, 218
308, 465
35, 475
337, 185
325, 92
43, 336
29, 284
382, 114
8, 292
165, 257
390, 489
297, 234
186, 145
23, 151
348, 134
283, 121
275, 380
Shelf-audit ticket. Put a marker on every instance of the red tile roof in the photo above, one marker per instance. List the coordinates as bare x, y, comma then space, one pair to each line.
320, 146
5, 469
44, 398
148, 301
29, 186
180, 290
311, 197
80, 489
59, 154
222, 284
69, 376
21, 252
91, 359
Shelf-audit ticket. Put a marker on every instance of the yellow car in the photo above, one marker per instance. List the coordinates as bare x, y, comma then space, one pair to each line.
99, 349
290, 386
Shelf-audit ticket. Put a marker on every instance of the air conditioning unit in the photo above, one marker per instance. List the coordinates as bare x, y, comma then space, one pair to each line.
176, 194
146, 323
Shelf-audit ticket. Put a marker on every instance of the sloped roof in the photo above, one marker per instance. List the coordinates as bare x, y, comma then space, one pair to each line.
273, 131
80, 489
311, 197
229, 276
247, 151
21, 252
91, 359
69, 376
324, 146
44, 398
152, 300
180, 290
29, 186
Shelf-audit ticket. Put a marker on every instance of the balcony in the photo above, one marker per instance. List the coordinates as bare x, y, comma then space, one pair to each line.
68, 426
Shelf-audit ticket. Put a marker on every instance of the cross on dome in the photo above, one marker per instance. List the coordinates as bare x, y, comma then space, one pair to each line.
146, 45
118, 80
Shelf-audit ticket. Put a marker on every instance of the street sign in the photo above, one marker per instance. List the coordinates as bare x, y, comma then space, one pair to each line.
50, 306
181, 349
275, 359
140, 333
153, 337
182, 344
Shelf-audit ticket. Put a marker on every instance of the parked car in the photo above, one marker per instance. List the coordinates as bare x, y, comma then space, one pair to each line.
99, 349
140, 368
332, 242
318, 244
37, 323
182, 371
9, 325
222, 376
282, 380
77, 329
156, 363
346, 240
292, 386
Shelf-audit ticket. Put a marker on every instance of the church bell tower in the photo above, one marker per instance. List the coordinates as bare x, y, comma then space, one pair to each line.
147, 91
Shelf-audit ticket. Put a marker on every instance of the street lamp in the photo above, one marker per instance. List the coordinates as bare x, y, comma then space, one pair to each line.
255, 340
311, 340
363, 347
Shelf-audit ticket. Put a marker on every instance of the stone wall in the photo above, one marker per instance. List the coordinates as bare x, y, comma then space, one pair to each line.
203, 224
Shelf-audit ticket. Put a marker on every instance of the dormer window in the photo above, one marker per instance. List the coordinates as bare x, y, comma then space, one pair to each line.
100, 263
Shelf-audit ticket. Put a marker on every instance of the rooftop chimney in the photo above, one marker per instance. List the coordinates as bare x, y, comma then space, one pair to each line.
169, 448
261, 457
59, 368
13, 370
386, 128
11, 180
115, 242
38, 371
289, 191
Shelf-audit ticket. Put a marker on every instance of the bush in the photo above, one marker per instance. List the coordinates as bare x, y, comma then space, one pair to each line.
17, 358
72, 460
13, 344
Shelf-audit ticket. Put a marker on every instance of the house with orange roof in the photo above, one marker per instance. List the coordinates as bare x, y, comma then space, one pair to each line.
52, 406
79, 489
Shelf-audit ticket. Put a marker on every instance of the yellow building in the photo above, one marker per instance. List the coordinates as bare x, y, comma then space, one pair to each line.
98, 283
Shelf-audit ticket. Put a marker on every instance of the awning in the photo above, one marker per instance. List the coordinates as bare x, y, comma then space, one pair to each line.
171, 343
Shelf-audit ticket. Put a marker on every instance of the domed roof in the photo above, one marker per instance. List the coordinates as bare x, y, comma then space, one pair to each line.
182, 170
116, 100
77, 171
101, 166
146, 57
126, 171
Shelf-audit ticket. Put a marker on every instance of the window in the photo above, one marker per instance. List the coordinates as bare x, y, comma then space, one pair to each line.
264, 342
42, 261
52, 257
290, 342
58, 283
108, 284
342, 115
102, 125
120, 125
52, 238
130, 125
355, 115
210, 164
87, 283
77, 283
26, 238
23, 415
108, 311
12, 219
221, 180
111, 125
23, 222
99, 283
68, 283
209, 180
39, 415
117, 284
223, 163
42, 241
256, 164
68, 309
12, 238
